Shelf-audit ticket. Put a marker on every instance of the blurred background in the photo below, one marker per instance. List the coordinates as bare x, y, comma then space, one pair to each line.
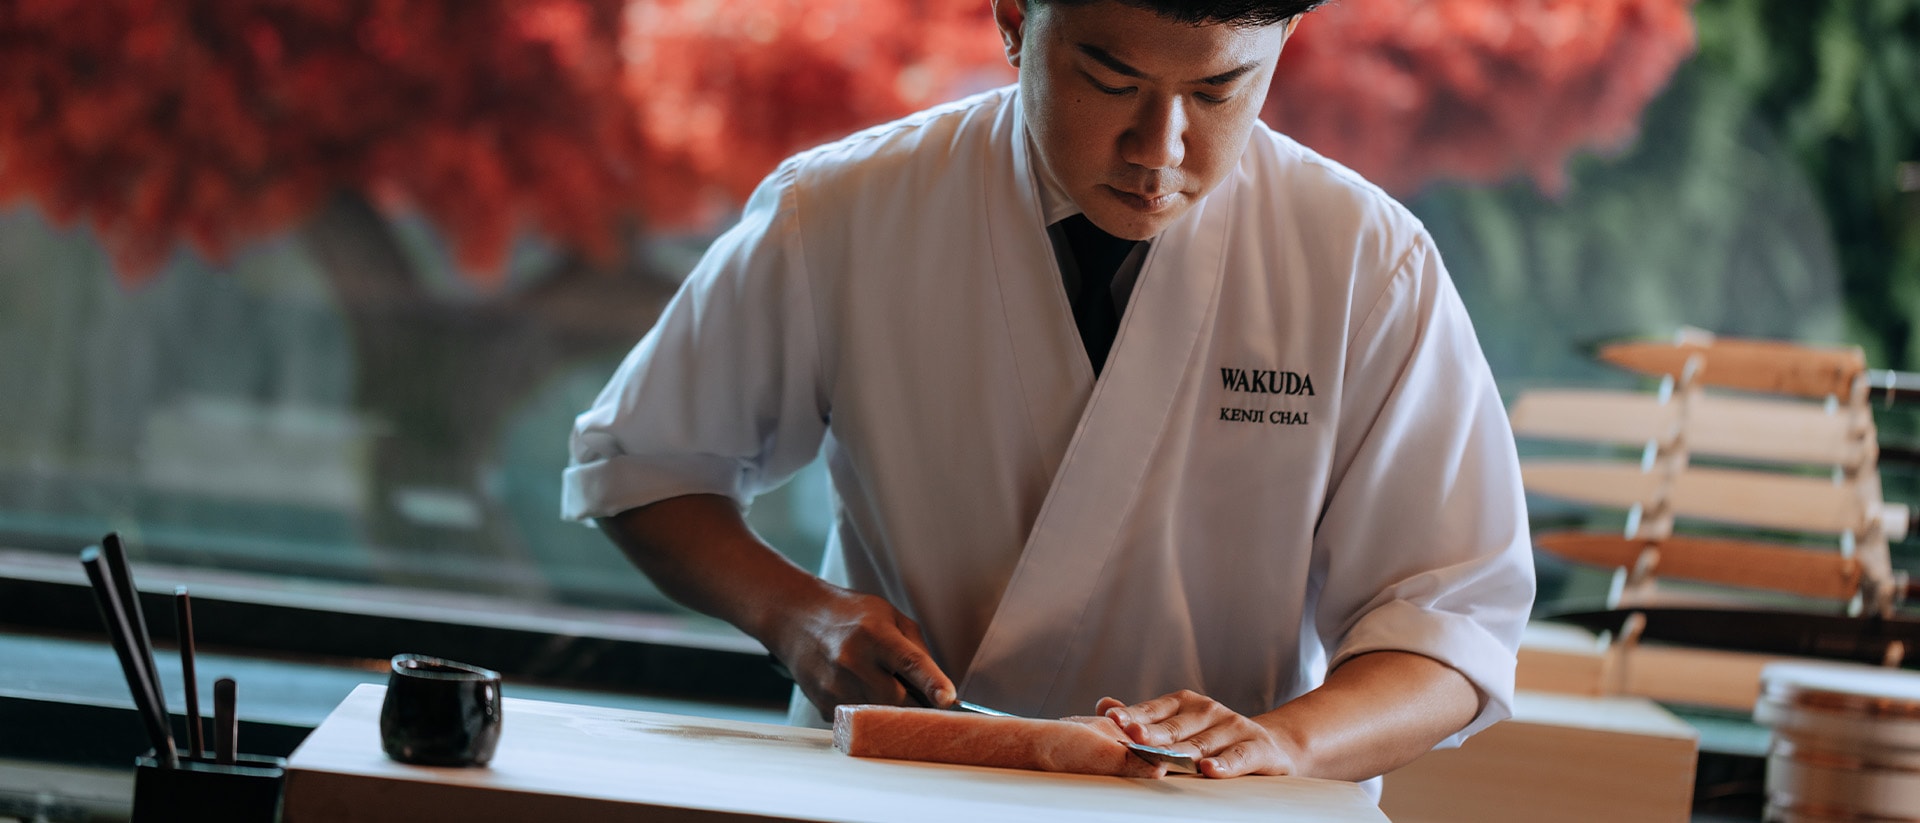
313, 289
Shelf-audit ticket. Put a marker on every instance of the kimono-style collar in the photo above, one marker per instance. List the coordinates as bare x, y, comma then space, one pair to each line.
1055, 205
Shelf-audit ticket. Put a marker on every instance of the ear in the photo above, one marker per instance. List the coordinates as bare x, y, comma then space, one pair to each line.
1011, 17
1287, 28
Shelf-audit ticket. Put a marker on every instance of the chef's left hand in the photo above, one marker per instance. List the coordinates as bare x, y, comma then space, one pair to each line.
1224, 742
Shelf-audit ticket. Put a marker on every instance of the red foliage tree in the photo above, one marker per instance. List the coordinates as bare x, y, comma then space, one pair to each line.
1406, 91
726, 89
1410, 91
216, 122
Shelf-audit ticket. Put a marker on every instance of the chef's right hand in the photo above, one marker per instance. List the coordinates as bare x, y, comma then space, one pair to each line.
848, 647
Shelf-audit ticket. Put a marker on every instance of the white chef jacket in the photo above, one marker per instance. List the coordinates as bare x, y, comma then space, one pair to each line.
1296, 453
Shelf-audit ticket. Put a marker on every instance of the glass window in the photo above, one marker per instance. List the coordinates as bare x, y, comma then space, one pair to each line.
376, 385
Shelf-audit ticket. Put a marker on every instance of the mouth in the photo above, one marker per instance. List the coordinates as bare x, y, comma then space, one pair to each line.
1144, 203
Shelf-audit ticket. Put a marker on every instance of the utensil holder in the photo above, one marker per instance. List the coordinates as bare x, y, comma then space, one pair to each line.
245, 791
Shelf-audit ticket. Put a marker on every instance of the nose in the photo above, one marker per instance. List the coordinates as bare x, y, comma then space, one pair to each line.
1157, 138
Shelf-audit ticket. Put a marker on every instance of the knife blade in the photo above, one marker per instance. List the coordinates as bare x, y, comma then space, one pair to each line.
1805, 571
1742, 363
1761, 429
1738, 496
976, 708
1179, 762
1871, 640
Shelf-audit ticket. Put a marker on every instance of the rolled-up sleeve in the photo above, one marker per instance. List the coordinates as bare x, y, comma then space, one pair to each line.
723, 395
1424, 545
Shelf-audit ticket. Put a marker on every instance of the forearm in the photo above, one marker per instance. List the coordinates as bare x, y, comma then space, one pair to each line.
841, 646
699, 551
1374, 713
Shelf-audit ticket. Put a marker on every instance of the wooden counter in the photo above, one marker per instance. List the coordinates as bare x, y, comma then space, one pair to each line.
1565, 758
562, 762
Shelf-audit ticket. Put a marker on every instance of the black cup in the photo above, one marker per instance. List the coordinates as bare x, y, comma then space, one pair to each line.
440, 713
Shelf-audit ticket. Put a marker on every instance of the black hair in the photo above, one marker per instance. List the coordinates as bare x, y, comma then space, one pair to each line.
1247, 13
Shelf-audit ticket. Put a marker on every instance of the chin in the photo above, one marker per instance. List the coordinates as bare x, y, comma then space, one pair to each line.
1131, 226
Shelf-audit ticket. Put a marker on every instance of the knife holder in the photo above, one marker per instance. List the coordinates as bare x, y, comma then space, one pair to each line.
244, 791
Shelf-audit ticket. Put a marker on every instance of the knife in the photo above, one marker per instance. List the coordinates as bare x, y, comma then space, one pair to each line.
1810, 572
1766, 430
1772, 366
1750, 498
1871, 640
1179, 762
1754, 365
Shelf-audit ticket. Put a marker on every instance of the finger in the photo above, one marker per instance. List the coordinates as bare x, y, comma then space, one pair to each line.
1164, 720
1105, 705
875, 681
910, 628
1240, 758
860, 682
1175, 729
914, 696
1151, 711
1214, 739
898, 693
908, 661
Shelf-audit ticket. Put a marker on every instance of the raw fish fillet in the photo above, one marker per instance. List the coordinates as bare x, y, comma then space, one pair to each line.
1081, 745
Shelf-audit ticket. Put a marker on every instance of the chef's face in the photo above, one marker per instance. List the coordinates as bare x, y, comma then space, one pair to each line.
1137, 116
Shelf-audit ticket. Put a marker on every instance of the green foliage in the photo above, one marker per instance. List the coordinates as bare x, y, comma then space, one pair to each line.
1761, 199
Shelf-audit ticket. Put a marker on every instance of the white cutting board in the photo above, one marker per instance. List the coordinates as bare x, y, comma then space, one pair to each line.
565, 762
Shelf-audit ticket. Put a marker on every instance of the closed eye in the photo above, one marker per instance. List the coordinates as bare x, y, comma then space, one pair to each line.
1106, 89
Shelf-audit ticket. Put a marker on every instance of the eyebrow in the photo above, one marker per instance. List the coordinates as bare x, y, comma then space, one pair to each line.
1100, 55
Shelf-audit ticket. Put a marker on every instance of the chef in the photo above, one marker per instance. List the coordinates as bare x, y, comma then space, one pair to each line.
1131, 406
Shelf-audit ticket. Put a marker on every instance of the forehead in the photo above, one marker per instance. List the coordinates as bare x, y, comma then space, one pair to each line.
1160, 48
